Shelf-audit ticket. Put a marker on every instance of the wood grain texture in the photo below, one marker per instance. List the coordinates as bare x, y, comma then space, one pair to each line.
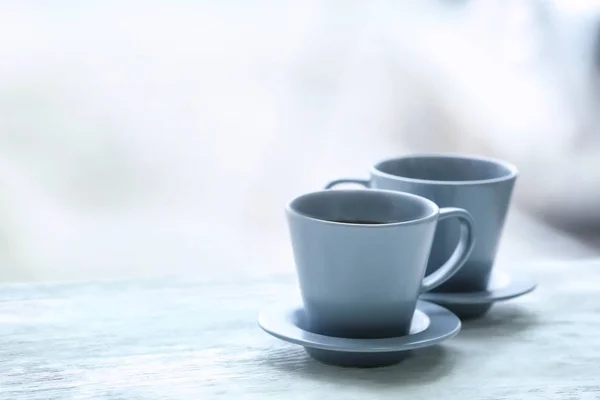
199, 340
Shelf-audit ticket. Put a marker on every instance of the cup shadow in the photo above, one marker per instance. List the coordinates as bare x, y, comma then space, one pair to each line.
421, 367
502, 320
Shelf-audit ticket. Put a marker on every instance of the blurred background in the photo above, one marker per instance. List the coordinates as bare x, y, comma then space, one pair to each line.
156, 138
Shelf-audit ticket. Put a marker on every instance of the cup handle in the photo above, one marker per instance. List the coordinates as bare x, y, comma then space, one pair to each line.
461, 252
364, 182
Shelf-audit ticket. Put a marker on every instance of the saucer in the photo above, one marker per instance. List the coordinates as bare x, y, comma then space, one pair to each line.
469, 305
431, 325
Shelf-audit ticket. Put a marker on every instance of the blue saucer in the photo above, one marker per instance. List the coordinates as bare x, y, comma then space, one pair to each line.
431, 325
469, 305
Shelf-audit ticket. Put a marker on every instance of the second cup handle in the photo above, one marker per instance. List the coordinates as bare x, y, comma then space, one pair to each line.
365, 182
461, 252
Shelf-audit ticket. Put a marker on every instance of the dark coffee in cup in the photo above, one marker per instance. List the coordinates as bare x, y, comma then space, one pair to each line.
361, 222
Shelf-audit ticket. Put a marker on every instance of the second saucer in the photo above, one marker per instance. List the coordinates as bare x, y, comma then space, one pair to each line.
470, 305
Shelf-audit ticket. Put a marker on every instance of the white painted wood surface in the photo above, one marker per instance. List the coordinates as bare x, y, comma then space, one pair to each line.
199, 340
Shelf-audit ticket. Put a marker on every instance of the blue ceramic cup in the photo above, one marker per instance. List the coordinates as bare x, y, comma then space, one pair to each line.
482, 186
361, 257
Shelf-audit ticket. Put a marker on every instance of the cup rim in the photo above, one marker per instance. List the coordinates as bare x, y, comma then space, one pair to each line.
511, 169
433, 208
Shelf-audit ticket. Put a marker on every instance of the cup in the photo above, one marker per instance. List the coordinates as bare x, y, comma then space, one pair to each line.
482, 186
361, 256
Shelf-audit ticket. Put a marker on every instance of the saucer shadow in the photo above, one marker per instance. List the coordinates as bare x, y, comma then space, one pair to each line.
420, 367
501, 320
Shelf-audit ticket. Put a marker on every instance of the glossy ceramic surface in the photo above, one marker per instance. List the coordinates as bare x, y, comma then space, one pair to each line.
431, 324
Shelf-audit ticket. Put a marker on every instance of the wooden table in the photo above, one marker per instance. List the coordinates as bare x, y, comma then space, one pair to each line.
184, 339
